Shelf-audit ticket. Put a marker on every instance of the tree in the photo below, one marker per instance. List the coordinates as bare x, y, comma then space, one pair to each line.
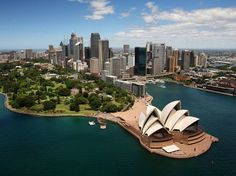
74, 105
49, 105
95, 104
24, 101
64, 92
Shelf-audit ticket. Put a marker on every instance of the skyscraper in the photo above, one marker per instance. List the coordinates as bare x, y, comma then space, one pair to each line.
140, 61
76, 47
169, 53
115, 66
170, 64
185, 56
192, 62
94, 67
103, 53
94, 44
126, 49
158, 57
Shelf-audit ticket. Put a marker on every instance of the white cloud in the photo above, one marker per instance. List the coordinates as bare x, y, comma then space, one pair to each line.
153, 15
127, 13
98, 8
212, 28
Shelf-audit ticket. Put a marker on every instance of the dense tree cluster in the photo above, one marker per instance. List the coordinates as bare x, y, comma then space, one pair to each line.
27, 87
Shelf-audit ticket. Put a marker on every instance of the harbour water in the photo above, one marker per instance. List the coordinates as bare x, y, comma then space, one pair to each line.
69, 146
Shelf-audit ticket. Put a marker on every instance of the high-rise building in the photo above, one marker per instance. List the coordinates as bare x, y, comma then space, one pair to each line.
123, 61
29, 54
108, 67
202, 60
76, 47
87, 55
185, 56
94, 44
158, 57
149, 53
176, 57
111, 53
115, 66
94, 65
103, 53
140, 61
126, 49
192, 62
169, 53
170, 64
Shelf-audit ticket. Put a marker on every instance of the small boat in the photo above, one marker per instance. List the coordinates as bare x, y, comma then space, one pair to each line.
91, 123
162, 86
103, 126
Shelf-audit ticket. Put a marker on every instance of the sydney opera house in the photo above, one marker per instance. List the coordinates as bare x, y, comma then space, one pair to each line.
162, 129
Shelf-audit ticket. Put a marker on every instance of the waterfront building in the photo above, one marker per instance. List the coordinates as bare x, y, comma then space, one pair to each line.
94, 65
176, 57
103, 53
158, 57
170, 125
94, 44
140, 61
115, 66
125, 85
139, 89
185, 56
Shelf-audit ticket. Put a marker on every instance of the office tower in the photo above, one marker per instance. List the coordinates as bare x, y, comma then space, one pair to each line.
103, 53
123, 61
196, 60
52, 54
192, 62
140, 61
87, 55
170, 64
176, 57
149, 53
185, 56
76, 47
111, 53
169, 53
108, 67
29, 54
115, 66
94, 65
131, 61
158, 57
94, 44
202, 60
126, 49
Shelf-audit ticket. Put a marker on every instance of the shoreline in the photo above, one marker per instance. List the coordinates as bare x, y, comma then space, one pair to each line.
128, 121
208, 90
198, 88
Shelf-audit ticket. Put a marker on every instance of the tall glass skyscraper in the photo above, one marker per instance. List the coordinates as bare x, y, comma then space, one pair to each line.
140, 61
94, 44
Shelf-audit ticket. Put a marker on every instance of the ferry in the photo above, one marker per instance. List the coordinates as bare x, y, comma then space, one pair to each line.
91, 123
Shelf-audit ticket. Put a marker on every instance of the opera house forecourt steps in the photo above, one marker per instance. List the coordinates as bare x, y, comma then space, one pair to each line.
171, 132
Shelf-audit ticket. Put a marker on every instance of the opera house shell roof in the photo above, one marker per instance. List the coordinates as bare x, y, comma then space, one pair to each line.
171, 118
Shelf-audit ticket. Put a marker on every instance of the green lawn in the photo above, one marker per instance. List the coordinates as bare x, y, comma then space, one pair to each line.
84, 109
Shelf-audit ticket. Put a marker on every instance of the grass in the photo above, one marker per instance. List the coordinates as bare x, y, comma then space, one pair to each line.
84, 109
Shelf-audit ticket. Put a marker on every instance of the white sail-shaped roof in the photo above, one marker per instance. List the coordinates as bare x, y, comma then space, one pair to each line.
141, 119
150, 121
153, 128
167, 109
173, 119
152, 109
185, 123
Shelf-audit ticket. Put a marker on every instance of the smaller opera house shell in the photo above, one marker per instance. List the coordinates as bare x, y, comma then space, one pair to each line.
172, 124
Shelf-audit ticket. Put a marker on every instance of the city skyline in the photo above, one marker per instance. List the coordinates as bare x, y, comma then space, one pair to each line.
193, 24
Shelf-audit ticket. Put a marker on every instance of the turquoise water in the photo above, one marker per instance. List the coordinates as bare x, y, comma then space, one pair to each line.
69, 146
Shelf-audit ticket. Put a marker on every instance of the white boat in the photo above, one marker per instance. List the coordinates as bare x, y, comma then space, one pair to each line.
162, 86
160, 81
91, 123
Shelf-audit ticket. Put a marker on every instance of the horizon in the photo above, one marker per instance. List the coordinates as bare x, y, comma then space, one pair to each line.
197, 24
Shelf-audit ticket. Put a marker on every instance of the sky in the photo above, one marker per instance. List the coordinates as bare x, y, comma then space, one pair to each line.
178, 23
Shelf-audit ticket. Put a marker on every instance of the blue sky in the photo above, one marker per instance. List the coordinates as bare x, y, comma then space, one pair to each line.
179, 23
